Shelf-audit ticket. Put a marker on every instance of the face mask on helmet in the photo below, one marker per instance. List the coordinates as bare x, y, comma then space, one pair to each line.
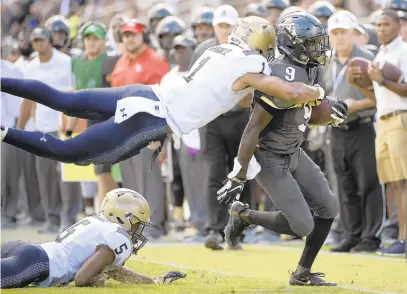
136, 232
319, 50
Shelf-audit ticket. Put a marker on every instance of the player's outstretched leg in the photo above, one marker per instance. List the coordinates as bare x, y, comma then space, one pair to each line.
303, 275
103, 142
22, 263
94, 104
235, 229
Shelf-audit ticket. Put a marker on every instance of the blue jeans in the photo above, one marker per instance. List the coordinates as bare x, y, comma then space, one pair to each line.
103, 142
22, 264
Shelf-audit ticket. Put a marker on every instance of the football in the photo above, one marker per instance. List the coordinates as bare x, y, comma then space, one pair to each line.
321, 114
389, 71
363, 63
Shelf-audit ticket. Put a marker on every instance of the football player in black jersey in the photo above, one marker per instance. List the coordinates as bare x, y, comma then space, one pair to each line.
295, 183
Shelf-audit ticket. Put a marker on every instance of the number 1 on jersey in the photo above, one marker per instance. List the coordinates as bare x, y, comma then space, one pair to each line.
189, 77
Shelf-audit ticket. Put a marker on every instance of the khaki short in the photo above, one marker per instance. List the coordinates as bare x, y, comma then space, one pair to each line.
391, 148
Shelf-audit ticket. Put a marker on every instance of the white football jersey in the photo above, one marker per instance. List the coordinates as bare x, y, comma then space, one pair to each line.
206, 91
70, 249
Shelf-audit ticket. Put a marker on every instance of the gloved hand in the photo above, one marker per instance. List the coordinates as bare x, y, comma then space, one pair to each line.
169, 277
231, 190
339, 113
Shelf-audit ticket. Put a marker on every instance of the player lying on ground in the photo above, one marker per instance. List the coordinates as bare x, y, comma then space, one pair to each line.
132, 117
89, 252
288, 176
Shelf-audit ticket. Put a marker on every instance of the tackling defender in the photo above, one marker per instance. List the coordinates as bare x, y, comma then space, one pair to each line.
288, 175
89, 252
132, 117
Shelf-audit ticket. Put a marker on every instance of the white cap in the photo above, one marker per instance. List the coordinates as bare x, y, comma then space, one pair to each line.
225, 14
342, 20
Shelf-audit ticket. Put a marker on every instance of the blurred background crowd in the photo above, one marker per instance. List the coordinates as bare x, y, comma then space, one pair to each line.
79, 44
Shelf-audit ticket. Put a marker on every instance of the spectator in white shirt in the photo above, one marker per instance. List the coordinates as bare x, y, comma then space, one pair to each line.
54, 68
391, 101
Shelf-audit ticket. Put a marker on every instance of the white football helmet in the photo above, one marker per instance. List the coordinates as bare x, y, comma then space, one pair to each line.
130, 210
254, 34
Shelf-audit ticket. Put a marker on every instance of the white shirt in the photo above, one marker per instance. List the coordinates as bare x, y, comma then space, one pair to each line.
75, 245
57, 73
208, 92
21, 64
396, 54
10, 104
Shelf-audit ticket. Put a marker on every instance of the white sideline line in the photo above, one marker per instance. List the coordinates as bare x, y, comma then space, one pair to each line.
181, 266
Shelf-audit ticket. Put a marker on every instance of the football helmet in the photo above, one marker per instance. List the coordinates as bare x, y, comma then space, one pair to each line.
58, 23
395, 5
131, 211
203, 16
279, 4
255, 9
303, 38
254, 34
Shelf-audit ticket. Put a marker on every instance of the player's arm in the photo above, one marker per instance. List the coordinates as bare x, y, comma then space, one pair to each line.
94, 266
127, 276
26, 109
376, 75
294, 92
233, 187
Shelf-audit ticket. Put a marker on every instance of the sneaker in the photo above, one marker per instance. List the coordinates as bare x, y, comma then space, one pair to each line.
309, 279
236, 227
398, 248
345, 246
8, 223
366, 246
214, 240
49, 229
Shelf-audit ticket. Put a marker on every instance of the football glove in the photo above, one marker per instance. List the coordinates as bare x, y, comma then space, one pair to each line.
231, 190
339, 113
169, 277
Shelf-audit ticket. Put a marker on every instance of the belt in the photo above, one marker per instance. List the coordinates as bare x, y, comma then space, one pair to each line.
357, 122
392, 114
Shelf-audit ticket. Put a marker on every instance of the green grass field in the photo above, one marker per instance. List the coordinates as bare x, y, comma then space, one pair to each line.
256, 269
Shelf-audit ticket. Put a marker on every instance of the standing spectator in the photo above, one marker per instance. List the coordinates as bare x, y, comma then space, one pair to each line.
360, 197
391, 103
401, 7
220, 138
10, 161
142, 65
88, 73
189, 157
114, 44
323, 10
60, 32
154, 16
167, 29
202, 24
53, 68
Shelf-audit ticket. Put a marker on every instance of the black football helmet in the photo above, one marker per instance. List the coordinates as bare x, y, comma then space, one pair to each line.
157, 13
303, 39
58, 23
256, 9
279, 4
168, 28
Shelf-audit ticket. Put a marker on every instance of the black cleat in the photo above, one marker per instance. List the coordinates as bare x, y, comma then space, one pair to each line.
234, 231
309, 279
213, 241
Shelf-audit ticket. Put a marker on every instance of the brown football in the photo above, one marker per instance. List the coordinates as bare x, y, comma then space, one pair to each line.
391, 72
321, 114
363, 63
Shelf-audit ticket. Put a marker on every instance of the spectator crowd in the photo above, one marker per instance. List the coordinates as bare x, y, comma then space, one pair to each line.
81, 44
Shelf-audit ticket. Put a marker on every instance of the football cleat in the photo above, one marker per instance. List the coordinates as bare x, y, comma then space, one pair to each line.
309, 279
236, 227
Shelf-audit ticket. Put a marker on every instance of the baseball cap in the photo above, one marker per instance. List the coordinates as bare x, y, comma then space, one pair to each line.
184, 41
341, 20
225, 14
134, 26
361, 30
40, 33
95, 30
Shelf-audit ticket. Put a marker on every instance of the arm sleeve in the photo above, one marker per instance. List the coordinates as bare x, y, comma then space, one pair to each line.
119, 241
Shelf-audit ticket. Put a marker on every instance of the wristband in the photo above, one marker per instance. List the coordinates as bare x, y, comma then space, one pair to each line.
321, 92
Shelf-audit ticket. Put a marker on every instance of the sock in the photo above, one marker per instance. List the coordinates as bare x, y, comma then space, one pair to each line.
273, 220
314, 241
